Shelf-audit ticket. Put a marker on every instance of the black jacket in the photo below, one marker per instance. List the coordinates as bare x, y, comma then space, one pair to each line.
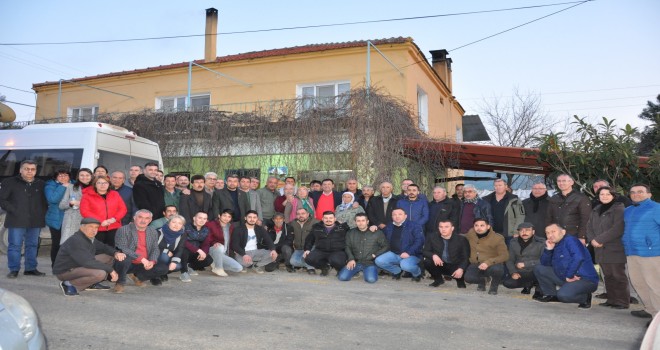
459, 249
188, 206
24, 202
222, 200
240, 236
327, 242
536, 218
148, 194
376, 210
316, 195
572, 212
80, 251
286, 238
443, 210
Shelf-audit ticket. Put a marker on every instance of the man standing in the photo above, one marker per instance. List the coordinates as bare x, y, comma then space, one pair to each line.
507, 209
198, 200
230, 198
84, 262
117, 180
404, 188
417, 210
148, 192
406, 240
352, 187
326, 200
328, 238
182, 182
254, 183
133, 172
380, 208
569, 208
487, 256
473, 207
289, 180
302, 226
536, 207
253, 198
565, 263
458, 193
169, 212
362, 248
139, 243
171, 193
641, 241
246, 240
446, 253
22, 197
267, 196
524, 254
210, 179
441, 208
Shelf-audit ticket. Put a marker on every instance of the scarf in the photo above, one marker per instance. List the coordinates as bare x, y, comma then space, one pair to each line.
524, 244
473, 200
605, 207
480, 236
343, 206
307, 205
537, 200
169, 235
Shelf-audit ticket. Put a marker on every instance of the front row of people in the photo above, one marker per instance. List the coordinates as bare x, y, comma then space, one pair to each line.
559, 268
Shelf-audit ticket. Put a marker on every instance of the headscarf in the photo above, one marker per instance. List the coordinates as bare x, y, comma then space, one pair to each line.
343, 206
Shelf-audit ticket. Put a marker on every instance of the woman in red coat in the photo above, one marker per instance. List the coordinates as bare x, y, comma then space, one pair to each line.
100, 203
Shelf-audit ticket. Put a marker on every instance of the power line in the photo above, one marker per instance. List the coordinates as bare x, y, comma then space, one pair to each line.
585, 109
17, 89
17, 103
599, 100
298, 27
570, 92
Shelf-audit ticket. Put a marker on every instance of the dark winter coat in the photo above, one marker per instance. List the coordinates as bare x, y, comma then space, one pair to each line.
607, 229
572, 212
327, 242
459, 249
148, 194
24, 202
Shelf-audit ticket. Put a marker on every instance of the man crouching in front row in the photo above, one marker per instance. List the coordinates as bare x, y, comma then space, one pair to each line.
84, 262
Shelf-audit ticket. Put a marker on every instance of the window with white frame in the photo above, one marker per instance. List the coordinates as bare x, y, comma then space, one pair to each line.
422, 110
83, 113
178, 103
324, 95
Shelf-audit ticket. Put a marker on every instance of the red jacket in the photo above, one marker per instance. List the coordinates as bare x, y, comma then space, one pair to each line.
216, 235
92, 205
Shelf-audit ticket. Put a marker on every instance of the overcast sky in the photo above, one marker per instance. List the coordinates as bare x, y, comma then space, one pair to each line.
596, 59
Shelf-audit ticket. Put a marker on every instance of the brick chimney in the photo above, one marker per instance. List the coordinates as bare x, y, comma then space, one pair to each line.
442, 65
211, 37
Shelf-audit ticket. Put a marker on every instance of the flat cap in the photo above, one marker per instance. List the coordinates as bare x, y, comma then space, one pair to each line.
525, 225
86, 221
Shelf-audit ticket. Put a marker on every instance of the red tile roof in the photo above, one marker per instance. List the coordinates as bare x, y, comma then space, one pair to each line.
248, 56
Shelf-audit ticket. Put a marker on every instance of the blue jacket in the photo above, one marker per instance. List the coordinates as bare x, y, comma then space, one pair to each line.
641, 235
417, 211
126, 193
54, 192
570, 258
412, 237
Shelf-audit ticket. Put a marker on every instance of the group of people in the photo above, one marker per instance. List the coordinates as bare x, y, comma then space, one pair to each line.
106, 227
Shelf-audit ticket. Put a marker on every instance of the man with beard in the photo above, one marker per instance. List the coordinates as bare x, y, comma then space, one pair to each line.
488, 253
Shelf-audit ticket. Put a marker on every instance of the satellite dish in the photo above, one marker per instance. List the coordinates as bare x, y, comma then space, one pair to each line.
7, 115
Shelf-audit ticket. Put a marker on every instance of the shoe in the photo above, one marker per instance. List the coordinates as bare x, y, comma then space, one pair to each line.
118, 289
601, 296
492, 292
548, 299
437, 283
185, 277
258, 270
634, 300
98, 286
219, 272
407, 275
136, 280
164, 278
34, 272
641, 314
290, 269
311, 272
493, 289
382, 272
356, 276
192, 271
481, 287
69, 291
526, 290
397, 276
537, 295
325, 270
619, 307
460, 284
586, 304
156, 282
417, 278
12, 274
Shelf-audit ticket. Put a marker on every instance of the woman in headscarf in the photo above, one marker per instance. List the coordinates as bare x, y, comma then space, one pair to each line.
345, 212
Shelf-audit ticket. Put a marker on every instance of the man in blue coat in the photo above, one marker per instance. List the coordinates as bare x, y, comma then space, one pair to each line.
641, 241
406, 242
565, 263
416, 208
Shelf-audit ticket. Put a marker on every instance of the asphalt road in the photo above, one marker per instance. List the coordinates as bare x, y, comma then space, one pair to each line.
281, 310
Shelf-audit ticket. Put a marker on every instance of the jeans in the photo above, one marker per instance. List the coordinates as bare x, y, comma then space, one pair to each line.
569, 292
18, 236
297, 260
222, 261
370, 273
165, 260
394, 263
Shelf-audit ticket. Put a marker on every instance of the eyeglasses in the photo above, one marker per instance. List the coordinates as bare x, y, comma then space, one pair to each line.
63, 175
637, 192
